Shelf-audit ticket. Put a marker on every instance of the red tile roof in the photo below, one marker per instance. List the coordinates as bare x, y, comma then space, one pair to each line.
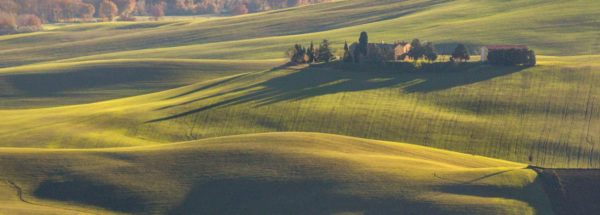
503, 47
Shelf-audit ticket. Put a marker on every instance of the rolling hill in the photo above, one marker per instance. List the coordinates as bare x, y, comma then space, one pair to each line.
550, 27
138, 117
548, 111
56, 84
275, 173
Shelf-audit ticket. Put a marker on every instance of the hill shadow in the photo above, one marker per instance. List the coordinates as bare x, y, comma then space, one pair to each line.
323, 79
571, 191
489, 191
55, 83
247, 196
66, 187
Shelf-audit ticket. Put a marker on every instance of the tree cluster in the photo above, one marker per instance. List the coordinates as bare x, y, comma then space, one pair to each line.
234, 7
420, 51
70, 10
49, 10
10, 24
511, 57
301, 55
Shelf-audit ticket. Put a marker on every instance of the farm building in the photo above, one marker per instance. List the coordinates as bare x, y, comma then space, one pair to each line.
397, 50
486, 49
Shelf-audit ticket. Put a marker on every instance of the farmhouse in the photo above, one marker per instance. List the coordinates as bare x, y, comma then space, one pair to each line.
396, 51
486, 49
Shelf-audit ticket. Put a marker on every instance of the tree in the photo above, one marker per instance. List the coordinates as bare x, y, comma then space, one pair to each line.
311, 53
297, 54
158, 11
363, 43
28, 20
125, 6
461, 53
239, 9
108, 10
531, 58
325, 54
347, 56
416, 51
430, 53
86, 11
8, 24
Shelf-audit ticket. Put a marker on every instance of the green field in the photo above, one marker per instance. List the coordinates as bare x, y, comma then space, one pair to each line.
55, 84
273, 173
139, 115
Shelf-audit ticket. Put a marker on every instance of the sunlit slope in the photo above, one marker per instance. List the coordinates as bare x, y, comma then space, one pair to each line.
548, 112
53, 84
274, 173
552, 27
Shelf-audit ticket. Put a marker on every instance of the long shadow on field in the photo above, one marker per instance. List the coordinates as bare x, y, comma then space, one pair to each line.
332, 78
246, 196
81, 190
533, 193
51, 84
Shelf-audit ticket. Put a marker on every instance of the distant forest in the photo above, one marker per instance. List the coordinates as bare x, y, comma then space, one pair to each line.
49, 11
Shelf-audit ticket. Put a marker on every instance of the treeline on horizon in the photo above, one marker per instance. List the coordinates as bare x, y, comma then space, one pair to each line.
52, 11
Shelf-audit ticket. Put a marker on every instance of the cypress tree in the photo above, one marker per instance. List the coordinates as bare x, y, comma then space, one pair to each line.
325, 54
311, 52
363, 42
347, 55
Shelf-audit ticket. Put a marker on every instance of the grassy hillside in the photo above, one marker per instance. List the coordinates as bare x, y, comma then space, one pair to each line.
551, 27
54, 84
275, 173
550, 112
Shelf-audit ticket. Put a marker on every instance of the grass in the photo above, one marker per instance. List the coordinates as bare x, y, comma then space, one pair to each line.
94, 117
275, 173
548, 111
55, 84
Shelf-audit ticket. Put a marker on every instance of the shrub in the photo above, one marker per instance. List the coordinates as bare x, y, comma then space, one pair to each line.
126, 19
28, 20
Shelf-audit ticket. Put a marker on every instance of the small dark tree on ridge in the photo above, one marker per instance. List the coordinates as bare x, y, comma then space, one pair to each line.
430, 54
461, 53
416, 50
